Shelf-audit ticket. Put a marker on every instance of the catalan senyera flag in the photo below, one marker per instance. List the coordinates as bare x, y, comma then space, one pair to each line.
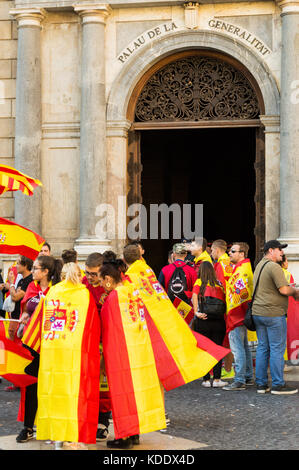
184, 309
239, 290
13, 180
135, 392
14, 359
69, 370
16, 239
181, 354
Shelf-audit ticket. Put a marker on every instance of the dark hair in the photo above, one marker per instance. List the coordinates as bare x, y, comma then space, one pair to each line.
48, 245
69, 256
283, 260
53, 265
113, 269
94, 260
109, 255
27, 262
207, 275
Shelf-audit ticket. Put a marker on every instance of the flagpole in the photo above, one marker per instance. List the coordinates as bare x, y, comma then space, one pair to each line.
10, 319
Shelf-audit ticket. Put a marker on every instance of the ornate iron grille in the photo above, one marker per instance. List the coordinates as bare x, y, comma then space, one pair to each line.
197, 88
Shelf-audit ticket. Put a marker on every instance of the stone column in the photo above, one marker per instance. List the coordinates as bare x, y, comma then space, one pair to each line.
117, 150
93, 168
272, 175
28, 210
289, 130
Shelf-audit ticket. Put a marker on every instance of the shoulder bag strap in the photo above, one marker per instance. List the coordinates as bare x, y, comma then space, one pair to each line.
258, 279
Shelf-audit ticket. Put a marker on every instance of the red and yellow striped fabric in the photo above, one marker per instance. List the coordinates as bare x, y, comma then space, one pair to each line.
15, 239
13, 180
182, 355
238, 293
33, 331
184, 309
69, 370
14, 358
135, 392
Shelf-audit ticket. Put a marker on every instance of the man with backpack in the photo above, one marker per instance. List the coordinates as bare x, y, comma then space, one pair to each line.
178, 277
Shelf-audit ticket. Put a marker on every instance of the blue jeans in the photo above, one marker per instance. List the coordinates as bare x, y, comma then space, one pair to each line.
272, 336
242, 356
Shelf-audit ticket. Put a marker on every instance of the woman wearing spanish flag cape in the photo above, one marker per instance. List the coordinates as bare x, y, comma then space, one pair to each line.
69, 370
146, 344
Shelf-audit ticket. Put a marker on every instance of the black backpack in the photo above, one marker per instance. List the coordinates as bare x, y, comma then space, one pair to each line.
178, 285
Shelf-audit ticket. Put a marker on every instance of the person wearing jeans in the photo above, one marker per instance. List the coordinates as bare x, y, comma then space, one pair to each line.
269, 310
242, 357
238, 294
271, 332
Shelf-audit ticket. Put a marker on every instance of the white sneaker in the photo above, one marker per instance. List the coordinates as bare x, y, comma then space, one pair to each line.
219, 383
206, 383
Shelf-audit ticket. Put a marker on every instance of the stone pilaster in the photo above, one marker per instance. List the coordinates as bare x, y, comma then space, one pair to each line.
28, 210
272, 175
289, 129
93, 168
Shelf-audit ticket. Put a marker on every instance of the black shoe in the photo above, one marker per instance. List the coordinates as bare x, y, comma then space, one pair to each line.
102, 433
25, 435
120, 443
135, 439
283, 390
249, 382
263, 389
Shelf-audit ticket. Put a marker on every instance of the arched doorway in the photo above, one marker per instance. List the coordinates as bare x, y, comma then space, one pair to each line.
197, 139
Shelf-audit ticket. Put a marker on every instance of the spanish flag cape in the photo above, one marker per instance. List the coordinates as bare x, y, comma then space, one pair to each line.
69, 370
210, 291
181, 354
135, 392
292, 323
223, 269
239, 290
14, 359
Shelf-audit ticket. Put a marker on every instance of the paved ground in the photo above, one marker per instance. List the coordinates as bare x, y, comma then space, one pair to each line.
206, 419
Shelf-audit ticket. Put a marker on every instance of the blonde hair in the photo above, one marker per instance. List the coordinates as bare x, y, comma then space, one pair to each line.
71, 272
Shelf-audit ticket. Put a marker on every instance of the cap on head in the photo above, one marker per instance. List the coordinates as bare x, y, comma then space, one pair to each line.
179, 249
274, 244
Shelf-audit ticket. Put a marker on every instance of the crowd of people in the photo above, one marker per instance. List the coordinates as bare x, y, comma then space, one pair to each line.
216, 283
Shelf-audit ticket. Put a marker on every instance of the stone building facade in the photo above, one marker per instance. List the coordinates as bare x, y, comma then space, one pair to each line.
73, 74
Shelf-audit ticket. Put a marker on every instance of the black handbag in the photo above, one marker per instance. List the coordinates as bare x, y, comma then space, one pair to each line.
248, 320
214, 308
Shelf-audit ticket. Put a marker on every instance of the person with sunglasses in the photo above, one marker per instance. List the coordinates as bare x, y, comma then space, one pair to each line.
238, 294
93, 283
269, 311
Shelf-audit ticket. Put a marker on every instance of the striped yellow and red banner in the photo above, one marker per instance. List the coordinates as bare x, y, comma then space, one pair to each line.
33, 331
181, 354
16, 239
14, 359
69, 370
13, 180
135, 392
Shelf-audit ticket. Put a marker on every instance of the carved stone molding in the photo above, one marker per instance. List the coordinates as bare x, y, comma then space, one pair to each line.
191, 15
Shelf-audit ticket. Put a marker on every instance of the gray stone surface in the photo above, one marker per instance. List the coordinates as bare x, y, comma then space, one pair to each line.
222, 420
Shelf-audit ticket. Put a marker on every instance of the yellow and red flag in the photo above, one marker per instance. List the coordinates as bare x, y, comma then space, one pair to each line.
69, 370
136, 396
238, 293
184, 309
181, 354
18, 240
14, 359
13, 180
